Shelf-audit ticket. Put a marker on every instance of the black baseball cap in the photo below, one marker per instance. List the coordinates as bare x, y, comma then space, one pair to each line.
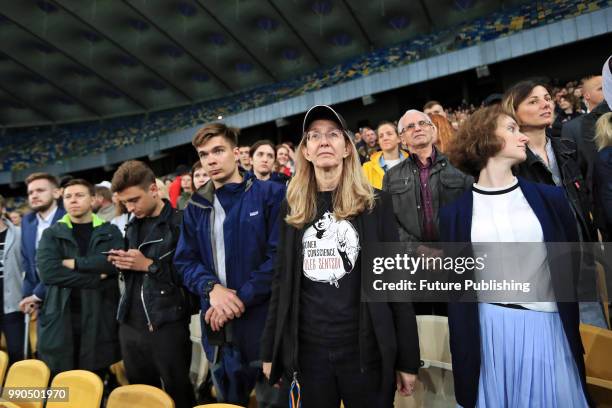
318, 112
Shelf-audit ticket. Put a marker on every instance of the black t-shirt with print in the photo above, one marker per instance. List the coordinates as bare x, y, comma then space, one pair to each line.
330, 279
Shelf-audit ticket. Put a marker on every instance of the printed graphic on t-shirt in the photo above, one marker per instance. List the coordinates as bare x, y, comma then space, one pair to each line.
331, 248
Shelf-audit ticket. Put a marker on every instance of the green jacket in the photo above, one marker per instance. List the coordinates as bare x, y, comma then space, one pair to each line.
99, 346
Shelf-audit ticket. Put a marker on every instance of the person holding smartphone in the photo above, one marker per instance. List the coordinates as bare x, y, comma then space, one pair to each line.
154, 309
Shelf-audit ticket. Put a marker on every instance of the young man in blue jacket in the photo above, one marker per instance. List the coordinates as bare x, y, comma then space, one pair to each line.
225, 255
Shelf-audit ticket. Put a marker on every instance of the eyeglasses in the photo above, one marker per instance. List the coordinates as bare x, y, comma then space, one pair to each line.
411, 126
316, 136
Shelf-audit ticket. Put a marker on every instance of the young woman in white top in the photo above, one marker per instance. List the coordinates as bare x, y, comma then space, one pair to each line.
512, 353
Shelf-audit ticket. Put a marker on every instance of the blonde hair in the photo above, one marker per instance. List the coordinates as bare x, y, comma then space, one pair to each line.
353, 195
603, 131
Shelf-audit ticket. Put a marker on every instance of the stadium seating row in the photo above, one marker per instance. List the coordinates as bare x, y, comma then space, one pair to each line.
73, 389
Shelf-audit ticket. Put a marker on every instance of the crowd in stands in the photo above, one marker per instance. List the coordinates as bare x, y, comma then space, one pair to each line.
453, 116
265, 242
54, 144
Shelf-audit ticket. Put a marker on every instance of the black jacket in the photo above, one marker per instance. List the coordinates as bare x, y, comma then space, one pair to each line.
576, 188
603, 192
387, 331
403, 182
582, 131
561, 118
162, 293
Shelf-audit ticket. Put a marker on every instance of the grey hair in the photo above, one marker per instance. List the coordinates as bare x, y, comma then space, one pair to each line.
410, 111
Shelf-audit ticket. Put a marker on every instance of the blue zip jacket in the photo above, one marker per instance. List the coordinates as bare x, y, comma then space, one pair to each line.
31, 282
250, 232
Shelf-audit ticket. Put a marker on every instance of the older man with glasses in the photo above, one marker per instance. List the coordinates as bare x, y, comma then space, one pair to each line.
421, 184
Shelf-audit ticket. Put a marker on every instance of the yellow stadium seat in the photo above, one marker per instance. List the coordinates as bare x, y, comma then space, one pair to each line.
8, 404
3, 365
139, 396
434, 341
598, 361
27, 374
118, 370
84, 389
434, 386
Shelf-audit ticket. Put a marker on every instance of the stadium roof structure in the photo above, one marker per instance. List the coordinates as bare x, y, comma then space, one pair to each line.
64, 61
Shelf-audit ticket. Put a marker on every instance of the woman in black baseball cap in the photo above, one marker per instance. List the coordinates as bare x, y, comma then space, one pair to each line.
319, 335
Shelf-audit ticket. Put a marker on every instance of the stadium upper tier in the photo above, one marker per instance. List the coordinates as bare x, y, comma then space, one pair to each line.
38, 146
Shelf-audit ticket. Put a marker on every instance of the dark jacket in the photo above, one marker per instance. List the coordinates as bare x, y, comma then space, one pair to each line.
576, 189
250, 233
551, 209
603, 192
99, 297
29, 224
365, 151
560, 119
275, 176
387, 331
162, 294
582, 131
403, 182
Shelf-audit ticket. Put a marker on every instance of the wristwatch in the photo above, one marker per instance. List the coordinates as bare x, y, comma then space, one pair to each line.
209, 287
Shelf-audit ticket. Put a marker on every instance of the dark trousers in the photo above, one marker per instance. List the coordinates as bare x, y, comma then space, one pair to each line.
328, 375
13, 326
163, 355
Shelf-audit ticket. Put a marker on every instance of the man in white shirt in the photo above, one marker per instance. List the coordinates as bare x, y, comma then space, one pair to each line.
43, 193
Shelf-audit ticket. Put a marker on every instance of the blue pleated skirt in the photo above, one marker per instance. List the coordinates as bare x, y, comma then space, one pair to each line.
526, 361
